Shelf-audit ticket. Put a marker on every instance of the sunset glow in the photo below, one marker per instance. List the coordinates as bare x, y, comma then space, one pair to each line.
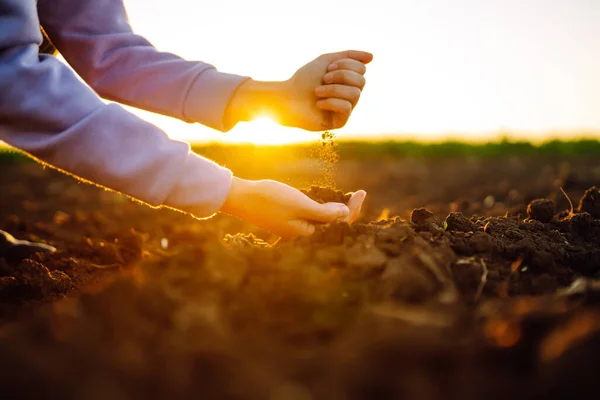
464, 69
263, 130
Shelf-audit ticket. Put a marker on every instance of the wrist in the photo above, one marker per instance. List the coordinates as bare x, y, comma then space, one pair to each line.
238, 192
257, 98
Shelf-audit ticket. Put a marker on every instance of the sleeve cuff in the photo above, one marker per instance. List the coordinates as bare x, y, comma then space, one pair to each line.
209, 97
202, 188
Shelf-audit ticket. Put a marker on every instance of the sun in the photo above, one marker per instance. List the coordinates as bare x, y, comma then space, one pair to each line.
264, 131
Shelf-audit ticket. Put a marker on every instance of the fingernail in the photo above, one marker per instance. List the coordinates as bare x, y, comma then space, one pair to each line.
328, 78
332, 67
320, 90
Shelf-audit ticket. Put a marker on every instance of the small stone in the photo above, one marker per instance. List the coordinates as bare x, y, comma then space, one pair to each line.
541, 210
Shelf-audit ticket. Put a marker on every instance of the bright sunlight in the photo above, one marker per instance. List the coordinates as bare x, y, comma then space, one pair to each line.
264, 131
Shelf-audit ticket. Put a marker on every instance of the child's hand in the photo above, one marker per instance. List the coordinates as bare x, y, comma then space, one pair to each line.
283, 210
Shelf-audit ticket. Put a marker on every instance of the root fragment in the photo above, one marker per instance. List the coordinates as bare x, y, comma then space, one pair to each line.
484, 275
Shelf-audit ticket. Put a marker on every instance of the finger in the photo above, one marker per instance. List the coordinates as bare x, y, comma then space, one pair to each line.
345, 77
299, 227
348, 64
342, 92
362, 56
291, 229
342, 109
328, 212
355, 204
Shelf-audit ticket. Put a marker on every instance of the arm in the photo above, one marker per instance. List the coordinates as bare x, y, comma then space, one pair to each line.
47, 112
96, 39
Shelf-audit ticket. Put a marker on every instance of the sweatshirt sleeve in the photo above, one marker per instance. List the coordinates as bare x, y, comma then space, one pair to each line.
95, 38
47, 112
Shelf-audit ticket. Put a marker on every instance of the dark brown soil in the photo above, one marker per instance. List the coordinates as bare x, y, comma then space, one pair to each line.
326, 195
590, 202
542, 210
455, 298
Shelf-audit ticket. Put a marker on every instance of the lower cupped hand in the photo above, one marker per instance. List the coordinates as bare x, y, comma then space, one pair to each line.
283, 210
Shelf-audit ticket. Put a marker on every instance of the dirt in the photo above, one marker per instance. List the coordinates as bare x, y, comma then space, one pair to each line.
327, 156
326, 195
542, 210
459, 298
590, 202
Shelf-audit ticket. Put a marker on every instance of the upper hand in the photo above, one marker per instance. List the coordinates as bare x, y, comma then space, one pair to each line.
323, 93
283, 210
319, 96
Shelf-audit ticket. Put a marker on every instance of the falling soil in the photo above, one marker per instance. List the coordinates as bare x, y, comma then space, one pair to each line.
140, 303
327, 155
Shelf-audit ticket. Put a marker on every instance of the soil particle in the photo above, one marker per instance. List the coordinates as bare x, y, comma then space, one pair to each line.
582, 223
467, 273
425, 221
481, 242
460, 244
514, 234
402, 280
326, 195
420, 216
365, 256
542, 261
590, 202
585, 261
541, 210
495, 226
456, 221
30, 279
523, 248
392, 240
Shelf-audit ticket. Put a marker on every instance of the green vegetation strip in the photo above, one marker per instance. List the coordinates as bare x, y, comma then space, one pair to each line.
360, 149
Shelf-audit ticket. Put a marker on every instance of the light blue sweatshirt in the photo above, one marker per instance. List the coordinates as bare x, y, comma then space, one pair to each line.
49, 113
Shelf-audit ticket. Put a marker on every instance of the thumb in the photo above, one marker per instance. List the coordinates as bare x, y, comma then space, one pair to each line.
355, 204
362, 56
327, 212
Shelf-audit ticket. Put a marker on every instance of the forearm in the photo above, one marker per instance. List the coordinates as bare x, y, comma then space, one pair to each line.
96, 39
48, 113
256, 98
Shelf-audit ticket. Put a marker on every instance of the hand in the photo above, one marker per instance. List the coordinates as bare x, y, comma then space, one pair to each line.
319, 96
283, 210
324, 92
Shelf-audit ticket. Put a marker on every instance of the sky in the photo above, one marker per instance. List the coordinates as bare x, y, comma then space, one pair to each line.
466, 69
